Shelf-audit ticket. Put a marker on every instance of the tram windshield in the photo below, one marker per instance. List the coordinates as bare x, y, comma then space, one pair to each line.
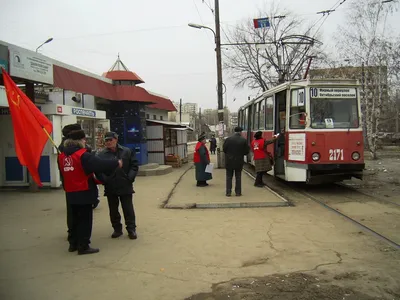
333, 112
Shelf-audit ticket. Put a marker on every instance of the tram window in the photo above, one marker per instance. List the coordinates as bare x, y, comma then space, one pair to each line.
334, 113
245, 118
262, 115
297, 109
269, 114
256, 116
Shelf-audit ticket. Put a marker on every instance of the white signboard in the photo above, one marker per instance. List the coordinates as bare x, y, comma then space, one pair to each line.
30, 65
341, 93
297, 146
3, 97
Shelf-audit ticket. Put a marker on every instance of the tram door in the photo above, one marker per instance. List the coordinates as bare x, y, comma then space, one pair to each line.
280, 121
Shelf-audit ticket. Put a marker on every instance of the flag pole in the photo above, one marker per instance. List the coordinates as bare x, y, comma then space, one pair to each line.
51, 140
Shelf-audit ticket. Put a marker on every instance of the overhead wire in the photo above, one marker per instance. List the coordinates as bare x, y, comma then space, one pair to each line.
201, 19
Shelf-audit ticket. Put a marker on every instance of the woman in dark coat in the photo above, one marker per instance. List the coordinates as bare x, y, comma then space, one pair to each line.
261, 158
201, 160
213, 144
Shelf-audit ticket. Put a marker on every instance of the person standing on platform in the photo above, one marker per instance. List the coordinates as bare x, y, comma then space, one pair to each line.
118, 185
201, 159
235, 148
213, 144
77, 168
261, 158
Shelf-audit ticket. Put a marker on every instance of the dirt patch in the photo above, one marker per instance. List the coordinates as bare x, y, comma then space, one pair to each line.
381, 176
295, 286
347, 276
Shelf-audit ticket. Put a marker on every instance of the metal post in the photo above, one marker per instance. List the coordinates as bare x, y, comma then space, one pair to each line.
30, 92
220, 156
180, 110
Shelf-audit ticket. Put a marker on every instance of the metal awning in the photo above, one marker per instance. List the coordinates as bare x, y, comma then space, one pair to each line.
187, 128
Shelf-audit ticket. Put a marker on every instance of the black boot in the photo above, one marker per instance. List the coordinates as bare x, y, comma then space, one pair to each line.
88, 250
132, 235
116, 234
72, 248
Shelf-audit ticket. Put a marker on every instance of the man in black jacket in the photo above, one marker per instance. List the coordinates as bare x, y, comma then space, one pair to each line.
235, 148
77, 168
118, 185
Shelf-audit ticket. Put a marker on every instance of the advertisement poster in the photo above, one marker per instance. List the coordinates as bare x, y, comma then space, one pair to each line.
297, 146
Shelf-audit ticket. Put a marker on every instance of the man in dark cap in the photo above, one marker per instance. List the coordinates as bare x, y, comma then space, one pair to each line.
65, 131
235, 148
77, 168
118, 185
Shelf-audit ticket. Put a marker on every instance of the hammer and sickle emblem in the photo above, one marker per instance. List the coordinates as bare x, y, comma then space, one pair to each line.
15, 99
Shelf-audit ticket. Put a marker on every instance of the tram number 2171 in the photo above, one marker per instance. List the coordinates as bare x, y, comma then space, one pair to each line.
336, 154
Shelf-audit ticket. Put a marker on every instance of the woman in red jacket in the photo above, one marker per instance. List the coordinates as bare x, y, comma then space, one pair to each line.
201, 159
261, 159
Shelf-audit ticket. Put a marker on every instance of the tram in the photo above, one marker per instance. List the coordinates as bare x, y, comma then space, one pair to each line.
319, 122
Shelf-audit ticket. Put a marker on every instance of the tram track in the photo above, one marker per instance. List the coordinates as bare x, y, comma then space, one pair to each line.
337, 197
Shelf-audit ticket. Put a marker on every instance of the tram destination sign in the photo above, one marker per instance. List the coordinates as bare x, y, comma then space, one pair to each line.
342, 93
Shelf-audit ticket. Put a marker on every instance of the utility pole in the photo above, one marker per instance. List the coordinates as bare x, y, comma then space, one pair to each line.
180, 111
220, 157
219, 63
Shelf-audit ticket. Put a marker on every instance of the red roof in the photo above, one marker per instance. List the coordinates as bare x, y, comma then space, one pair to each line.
123, 75
74, 81
164, 104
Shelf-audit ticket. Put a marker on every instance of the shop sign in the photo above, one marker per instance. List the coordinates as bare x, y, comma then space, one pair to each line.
83, 112
297, 146
30, 65
4, 111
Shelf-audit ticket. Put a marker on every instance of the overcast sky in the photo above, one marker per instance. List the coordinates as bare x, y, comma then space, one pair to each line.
152, 37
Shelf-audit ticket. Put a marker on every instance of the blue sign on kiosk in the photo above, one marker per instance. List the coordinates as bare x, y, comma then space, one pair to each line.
261, 23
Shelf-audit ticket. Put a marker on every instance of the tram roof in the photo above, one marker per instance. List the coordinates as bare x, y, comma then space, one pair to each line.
303, 83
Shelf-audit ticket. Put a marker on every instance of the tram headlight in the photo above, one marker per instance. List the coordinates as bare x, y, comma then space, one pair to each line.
315, 156
355, 156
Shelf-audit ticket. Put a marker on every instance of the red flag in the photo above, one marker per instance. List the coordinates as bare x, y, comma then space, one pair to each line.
29, 127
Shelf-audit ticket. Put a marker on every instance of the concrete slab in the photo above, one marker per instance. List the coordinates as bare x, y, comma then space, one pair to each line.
155, 170
187, 195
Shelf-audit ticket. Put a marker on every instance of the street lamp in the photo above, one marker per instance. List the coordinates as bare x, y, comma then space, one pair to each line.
198, 26
46, 42
219, 67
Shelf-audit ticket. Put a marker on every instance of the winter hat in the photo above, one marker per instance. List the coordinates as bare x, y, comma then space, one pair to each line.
76, 135
68, 128
202, 136
258, 135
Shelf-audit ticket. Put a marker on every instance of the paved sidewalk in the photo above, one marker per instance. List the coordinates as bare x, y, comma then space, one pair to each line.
187, 195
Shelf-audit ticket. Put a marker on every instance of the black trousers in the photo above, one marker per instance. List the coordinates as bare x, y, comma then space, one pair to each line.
128, 210
238, 183
259, 178
81, 229
69, 219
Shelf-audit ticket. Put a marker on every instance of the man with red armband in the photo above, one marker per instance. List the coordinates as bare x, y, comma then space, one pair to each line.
77, 168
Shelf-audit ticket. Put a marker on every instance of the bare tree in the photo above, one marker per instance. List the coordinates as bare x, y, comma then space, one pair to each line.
287, 47
365, 39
